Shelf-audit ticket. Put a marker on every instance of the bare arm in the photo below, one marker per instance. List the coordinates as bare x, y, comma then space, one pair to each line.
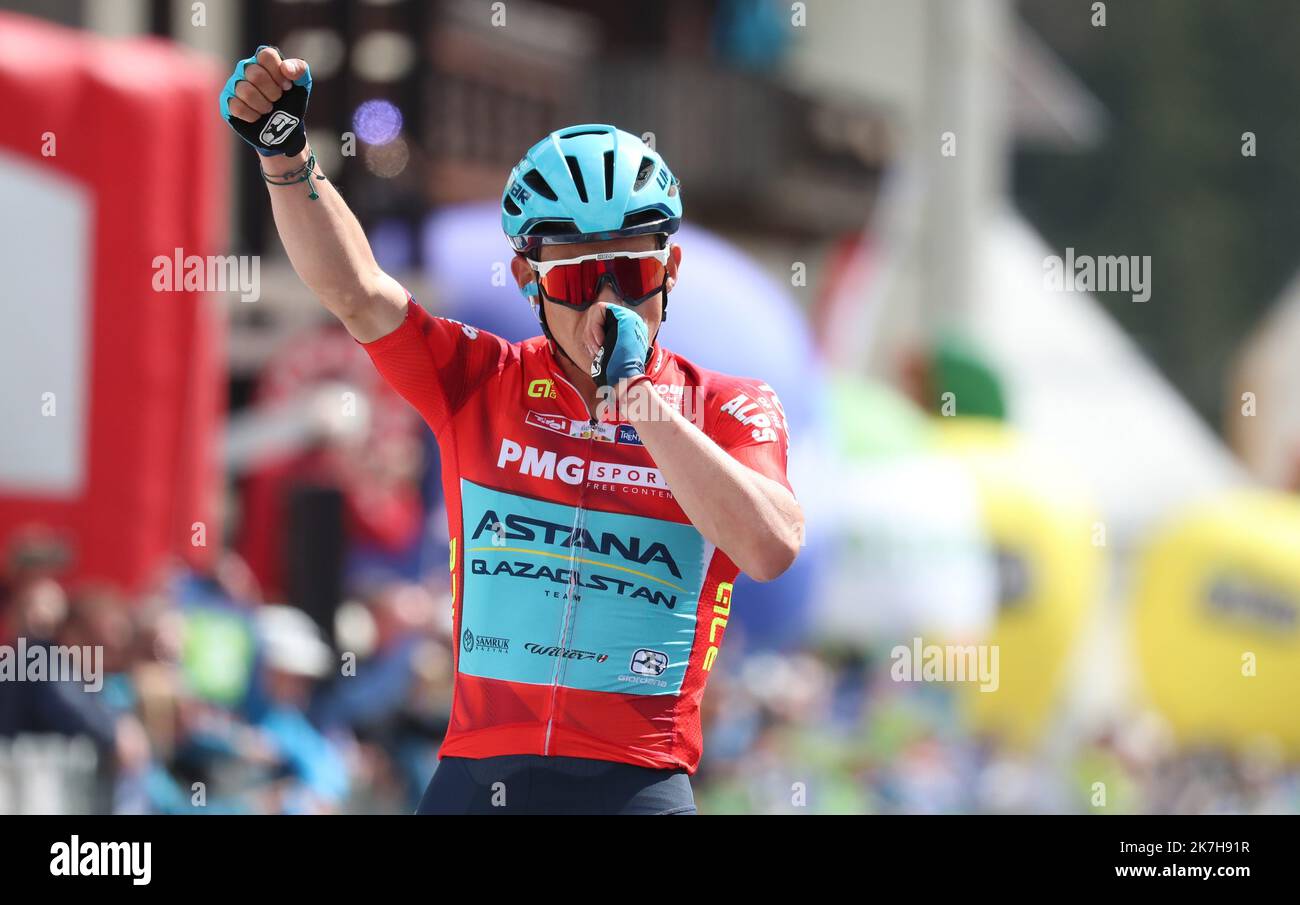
751, 518
324, 241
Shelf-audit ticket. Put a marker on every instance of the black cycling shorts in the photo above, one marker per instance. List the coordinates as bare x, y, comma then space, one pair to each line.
532, 784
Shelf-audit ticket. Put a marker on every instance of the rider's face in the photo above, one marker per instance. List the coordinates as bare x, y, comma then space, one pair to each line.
570, 327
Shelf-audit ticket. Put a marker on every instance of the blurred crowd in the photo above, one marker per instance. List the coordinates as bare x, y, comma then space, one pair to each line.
826, 730
214, 701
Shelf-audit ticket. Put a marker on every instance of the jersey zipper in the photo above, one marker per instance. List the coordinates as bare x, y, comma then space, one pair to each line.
570, 604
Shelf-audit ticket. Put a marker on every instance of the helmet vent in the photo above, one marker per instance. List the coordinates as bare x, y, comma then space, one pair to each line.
609, 175
643, 174
551, 228
585, 132
511, 208
642, 218
576, 172
537, 182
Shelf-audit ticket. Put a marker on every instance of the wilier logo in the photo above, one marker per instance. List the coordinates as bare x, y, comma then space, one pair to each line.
565, 653
278, 128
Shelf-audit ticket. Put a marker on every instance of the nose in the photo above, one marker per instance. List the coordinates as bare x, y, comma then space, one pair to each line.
607, 291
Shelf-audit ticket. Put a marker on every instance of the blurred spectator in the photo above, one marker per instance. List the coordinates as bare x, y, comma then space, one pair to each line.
312, 770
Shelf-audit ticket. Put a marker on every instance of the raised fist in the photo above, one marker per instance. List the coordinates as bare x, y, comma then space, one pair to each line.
265, 101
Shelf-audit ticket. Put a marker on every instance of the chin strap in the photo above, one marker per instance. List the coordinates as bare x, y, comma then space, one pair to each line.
530, 291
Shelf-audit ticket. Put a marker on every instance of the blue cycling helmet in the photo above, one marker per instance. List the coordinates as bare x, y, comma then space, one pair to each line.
586, 184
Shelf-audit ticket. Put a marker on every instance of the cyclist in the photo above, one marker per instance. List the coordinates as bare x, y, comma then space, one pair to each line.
602, 492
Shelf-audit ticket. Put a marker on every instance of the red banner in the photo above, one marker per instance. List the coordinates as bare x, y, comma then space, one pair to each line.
111, 393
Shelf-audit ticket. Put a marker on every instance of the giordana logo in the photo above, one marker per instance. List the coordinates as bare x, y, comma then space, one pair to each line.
649, 662
279, 127
471, 642
528, 460
567, 653
102, 859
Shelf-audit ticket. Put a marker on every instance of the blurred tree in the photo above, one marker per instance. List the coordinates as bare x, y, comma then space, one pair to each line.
1183, 80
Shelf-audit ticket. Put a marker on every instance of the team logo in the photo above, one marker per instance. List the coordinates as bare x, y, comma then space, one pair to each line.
649, 662
631, 548
467, 641
279, 127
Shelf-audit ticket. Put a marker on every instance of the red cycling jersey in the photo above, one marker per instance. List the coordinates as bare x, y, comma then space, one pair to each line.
587, 609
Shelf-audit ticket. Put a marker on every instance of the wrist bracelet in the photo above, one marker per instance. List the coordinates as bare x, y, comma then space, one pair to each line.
304, 173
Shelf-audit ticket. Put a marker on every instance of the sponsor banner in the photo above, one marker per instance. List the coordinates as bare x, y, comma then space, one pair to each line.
582, 429
631, 475
603, 602
547, 464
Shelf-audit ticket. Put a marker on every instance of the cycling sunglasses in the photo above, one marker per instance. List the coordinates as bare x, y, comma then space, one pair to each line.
576, 282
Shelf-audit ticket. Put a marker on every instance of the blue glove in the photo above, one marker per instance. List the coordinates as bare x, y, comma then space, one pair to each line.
626, 349
284, 129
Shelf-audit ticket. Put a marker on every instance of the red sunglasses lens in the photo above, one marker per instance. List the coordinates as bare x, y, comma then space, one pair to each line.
635, 280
